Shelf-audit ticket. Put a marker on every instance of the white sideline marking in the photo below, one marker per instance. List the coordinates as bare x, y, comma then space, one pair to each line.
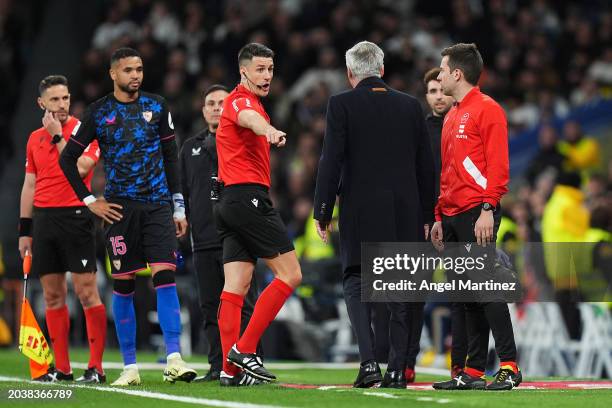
591, 386
149, 394
273, 366
438, 400
380, 394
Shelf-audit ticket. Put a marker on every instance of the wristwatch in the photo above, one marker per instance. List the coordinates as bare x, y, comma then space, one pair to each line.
56, 139
487, 207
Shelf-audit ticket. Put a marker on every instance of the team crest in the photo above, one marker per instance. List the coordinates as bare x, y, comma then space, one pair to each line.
465, 118
117, 263
148, 115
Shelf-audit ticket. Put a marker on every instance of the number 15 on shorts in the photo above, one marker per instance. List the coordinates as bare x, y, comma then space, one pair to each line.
119, 247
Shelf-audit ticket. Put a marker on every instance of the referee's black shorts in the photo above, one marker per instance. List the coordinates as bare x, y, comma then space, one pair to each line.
63, 239
249, 226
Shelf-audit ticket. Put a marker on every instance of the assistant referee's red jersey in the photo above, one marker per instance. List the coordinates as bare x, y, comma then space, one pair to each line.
42, 160
244, 157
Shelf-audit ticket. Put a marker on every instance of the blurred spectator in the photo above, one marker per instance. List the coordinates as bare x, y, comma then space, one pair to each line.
548, 157
582, 153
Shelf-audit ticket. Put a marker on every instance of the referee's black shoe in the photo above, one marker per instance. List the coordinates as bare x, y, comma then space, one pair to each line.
394, 379
91, 376
242, 379
462, 381
369, 375
251, 363
53, 375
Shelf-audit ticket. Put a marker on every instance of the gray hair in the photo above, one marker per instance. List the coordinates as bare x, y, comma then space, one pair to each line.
365, 60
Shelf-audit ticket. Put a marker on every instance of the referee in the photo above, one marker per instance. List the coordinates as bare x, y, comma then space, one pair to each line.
249, 226
57, 229
199, 173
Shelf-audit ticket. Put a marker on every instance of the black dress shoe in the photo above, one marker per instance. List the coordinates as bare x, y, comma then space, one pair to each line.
394, 379
211, 375
369, 375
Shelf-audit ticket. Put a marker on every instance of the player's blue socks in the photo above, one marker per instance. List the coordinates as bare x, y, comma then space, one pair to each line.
168, 309
125, 318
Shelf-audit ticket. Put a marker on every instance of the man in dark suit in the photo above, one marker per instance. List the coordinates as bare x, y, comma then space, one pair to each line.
377, 158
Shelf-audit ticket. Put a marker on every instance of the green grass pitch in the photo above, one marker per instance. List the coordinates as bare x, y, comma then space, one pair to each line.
155, 393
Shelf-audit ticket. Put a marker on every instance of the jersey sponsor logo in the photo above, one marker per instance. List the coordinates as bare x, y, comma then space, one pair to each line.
255, 202
170, 122
147, 115
235, 106
196, 152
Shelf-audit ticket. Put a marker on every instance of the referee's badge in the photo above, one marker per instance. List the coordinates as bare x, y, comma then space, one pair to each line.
148, 115
117, 263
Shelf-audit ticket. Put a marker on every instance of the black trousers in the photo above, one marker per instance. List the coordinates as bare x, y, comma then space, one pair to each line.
208, 267
400, 323
479, 317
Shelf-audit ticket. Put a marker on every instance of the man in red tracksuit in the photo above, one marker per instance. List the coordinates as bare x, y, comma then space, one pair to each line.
475, 174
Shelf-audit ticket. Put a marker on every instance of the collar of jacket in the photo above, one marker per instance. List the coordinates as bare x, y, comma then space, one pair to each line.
433, 118
372, 81
204, 134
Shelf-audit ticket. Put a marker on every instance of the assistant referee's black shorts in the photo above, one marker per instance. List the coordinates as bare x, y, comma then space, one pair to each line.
63, 240
249, 226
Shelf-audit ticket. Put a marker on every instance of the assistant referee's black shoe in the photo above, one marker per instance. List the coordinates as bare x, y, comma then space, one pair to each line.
505, 379
211, 375
369, 375
462, 381
251, 363
242, 379
394, 379
91, 376
53, 375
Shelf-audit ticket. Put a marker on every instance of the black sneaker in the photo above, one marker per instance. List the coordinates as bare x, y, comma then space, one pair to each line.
53, 375
211, 375
369, 375
242, 379
462, 381
505, 379
251, 363
91, 376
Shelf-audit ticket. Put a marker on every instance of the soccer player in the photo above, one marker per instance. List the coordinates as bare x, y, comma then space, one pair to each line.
56, 228
475, 175
199, 173
249, 226
136, 136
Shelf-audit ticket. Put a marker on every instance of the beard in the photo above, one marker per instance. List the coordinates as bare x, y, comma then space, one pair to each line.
127, 89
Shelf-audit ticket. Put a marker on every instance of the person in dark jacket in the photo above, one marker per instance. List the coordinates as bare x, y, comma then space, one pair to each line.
198, 159
377, 158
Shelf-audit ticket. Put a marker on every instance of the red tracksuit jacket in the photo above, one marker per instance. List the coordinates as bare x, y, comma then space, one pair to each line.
475, 166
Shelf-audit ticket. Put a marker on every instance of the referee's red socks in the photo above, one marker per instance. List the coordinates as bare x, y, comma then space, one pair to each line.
58, 324
95, 319
229, 316
267, 307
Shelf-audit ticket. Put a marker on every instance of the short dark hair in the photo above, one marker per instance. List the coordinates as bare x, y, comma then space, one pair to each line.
213, 88
123, 52
251, 50
431, 75
50, 81
467, 58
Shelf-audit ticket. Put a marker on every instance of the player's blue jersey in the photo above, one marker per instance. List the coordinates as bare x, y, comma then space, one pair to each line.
130, 136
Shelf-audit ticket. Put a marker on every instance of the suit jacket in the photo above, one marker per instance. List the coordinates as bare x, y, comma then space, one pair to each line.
377, 158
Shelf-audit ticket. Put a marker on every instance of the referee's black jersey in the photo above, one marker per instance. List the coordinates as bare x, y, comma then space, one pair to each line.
198, 159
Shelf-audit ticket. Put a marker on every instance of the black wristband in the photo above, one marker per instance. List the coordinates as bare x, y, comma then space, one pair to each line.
25, 227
